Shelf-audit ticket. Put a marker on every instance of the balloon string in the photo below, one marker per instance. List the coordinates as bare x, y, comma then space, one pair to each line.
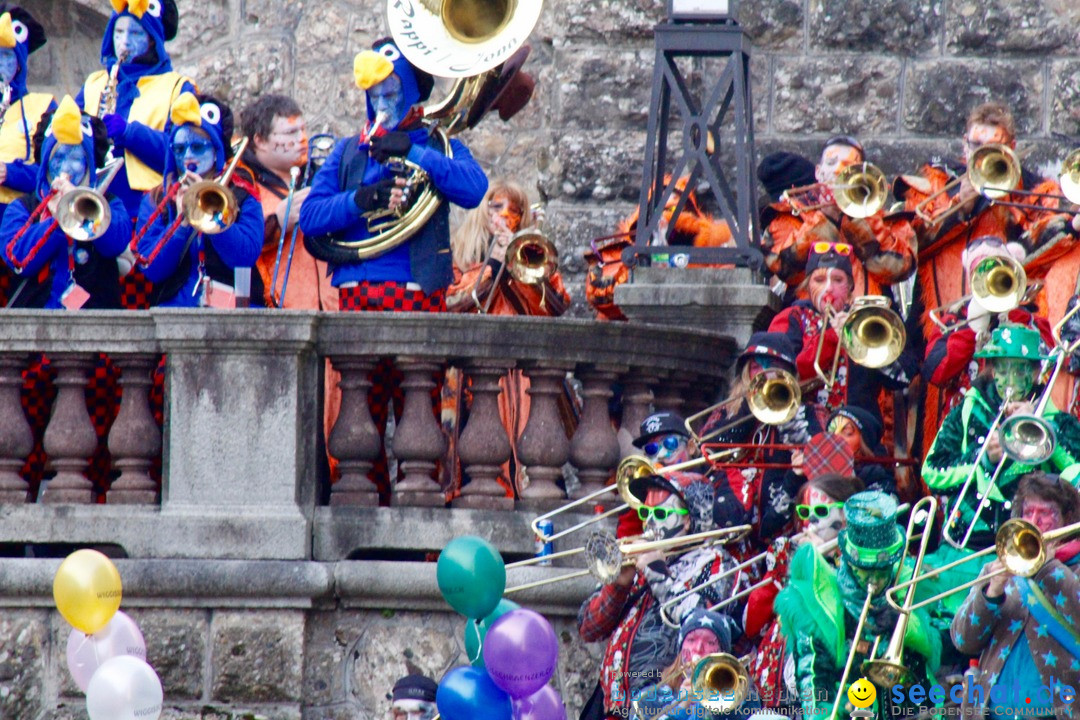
479, 642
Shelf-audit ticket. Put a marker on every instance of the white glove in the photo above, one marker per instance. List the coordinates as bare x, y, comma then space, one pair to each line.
978, 317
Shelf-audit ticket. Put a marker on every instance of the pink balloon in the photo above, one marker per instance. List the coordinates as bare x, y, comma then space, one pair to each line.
544, 704
86, 653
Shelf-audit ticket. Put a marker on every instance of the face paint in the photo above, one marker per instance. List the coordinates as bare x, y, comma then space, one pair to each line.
1014, 373
673, 524
698, 644
286, 144
829, 285
822, 530
878, 577
1043, 514
413, 710
130, 40
834, 159
193, 150
978, 135
9, 65
501, 206
387, 99
68, 160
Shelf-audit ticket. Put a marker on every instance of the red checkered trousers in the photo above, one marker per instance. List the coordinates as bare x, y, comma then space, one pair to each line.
386, 378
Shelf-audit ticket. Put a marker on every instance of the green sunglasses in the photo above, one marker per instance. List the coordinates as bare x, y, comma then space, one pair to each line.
819, 511
660, 513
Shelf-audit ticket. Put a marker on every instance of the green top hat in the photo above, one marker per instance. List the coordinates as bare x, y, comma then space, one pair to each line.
1013, 341
872, 538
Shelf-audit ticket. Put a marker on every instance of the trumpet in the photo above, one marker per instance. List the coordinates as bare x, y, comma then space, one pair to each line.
860, 191
773, 397
873, 336
605, 557
998, 283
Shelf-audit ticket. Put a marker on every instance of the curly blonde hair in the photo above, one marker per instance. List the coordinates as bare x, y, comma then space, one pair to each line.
469, 243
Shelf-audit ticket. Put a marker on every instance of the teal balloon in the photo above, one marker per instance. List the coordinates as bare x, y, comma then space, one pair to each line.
476, 631
471, 575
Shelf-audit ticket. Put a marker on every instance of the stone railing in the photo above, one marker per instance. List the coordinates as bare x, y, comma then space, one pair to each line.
241, 441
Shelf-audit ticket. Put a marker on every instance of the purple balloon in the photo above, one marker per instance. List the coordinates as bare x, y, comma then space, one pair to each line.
544, 704
520, 652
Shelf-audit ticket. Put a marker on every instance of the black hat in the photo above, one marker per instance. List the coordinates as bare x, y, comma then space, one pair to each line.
771, 344
869, 426
716, 623
661, 423
782, 171
170, 19
829, 259
415, 687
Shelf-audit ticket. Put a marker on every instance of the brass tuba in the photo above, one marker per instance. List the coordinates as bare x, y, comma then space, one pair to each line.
468, 40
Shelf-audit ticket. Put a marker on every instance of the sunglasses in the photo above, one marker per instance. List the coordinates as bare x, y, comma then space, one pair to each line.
819, 511
670, 443
198, 147
823, 246
660, 513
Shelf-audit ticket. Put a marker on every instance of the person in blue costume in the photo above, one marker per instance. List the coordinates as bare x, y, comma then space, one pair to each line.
146, 88
21, 111
186, 266
54, 266
355, 179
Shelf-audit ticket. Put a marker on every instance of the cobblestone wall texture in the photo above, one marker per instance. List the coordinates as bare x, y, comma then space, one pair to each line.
900, 74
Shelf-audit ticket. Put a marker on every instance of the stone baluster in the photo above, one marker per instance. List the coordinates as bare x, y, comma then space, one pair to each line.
669, 393
484, 446
594, 449
16, 440
70, 438
418, 440
354, 441
637, 402
543, 447
135, 440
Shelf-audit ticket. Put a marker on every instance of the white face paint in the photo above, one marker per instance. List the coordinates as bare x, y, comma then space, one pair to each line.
673, 523
412, 710
821, 530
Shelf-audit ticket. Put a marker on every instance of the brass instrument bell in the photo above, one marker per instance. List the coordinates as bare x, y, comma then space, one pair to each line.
1028, 439
873, 335
83, 214
998, 283
530, 257
1069, 180
722, 682
774, 396
861, 190
994, 170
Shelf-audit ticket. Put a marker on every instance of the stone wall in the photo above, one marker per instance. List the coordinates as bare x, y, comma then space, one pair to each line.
900, 74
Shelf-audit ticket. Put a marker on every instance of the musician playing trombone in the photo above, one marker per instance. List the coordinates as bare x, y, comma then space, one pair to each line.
1007, 388
884, 244
1024, 630
821, 609
626, 612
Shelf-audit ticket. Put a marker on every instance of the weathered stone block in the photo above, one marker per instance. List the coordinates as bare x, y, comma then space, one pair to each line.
579, 665
202, 23
902, 26
324, 29
24, 635
773, 24
257, 657
176, 649
271, 14
598, 166
940, 94
240, 73
603, 86
1065, 108
987, 27
835, 94
329, 99
609, 20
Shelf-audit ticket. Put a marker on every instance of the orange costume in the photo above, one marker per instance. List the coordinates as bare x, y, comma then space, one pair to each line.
884, 245
941, 279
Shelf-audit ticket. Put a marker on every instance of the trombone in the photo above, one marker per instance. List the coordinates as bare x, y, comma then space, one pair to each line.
621, 485
531, 258
1018, 545
998, 283
860, 191
873, 336
605, 557
773, 396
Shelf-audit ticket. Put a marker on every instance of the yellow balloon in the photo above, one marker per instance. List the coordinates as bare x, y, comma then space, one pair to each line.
87, 590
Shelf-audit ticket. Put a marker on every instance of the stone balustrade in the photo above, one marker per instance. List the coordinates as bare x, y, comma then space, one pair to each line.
241, 447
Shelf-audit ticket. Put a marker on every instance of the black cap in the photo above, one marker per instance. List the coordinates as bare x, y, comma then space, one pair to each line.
782, 171
770, 344
661, 423
869, 426
415, 687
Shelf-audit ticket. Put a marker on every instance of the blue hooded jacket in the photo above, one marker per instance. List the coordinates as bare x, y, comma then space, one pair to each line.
238, 246
149, 145
95, 266
330, 209
29, 36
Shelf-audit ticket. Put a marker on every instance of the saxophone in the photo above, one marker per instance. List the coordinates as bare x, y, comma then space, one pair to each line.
107, 101
5, 100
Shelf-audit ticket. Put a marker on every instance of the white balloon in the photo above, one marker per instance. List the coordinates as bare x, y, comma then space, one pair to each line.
86, 653
124, 688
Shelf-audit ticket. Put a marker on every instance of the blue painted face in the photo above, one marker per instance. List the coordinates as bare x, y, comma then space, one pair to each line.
386, 97
193, 150
129, 38
9, 65
69, 160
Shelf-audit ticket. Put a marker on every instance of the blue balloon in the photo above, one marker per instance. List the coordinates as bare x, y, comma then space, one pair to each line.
467, 693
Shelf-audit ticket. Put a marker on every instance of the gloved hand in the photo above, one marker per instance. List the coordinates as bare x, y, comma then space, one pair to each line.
373, 197
116, 126
392, 144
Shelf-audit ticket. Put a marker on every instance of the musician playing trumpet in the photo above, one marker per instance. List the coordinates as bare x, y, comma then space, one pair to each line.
884, 244
1013, 357
1024, 629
